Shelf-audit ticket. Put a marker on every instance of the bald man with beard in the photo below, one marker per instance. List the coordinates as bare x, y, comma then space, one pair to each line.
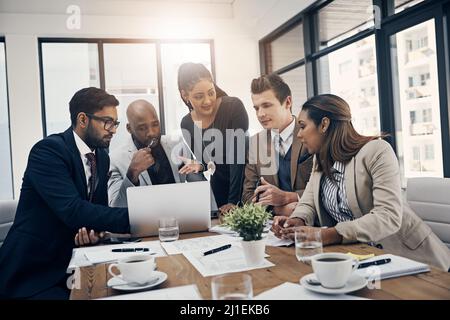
147, 158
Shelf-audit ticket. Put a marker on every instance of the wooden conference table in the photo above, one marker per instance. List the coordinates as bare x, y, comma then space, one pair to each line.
431, 285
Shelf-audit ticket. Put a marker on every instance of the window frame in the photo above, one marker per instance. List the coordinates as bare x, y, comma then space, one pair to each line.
100, 42
2, 40
390, 23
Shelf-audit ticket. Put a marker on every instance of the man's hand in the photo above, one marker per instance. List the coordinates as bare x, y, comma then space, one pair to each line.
284, 226
83, 238
285, 210
224, 210
141, 161
270, 195
190, 166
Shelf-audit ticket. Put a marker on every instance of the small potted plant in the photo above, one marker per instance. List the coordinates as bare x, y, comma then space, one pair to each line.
249, 221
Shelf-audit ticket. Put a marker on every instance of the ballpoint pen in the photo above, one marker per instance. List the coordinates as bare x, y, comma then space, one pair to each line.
130, 250
217, 249
374, 263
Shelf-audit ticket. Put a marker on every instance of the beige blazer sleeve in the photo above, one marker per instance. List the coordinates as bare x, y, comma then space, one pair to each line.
251, 177
385, 218
306, 208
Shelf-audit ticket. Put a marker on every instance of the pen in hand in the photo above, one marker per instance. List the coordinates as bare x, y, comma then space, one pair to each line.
217, 249
374, 263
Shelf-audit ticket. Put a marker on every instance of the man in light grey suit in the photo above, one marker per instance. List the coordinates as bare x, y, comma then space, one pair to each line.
148, 158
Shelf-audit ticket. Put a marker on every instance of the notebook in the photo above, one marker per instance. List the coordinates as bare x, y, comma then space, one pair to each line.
398, 267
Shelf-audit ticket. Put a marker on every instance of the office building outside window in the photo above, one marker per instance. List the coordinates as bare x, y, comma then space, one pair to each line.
351, 73
419, 145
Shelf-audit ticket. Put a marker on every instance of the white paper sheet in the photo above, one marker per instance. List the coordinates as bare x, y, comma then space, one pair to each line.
273, 241
88, 256
200, 243
189, 292
226, 261
221, 229
294, 291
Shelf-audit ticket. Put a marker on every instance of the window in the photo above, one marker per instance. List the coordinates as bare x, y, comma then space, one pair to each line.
128, 69
412, 116
355, 84
429, 152
172, 56
416, 153
286, 49
285, 55
424, 78
6, 185
412, 46
426, 113
296, 80
336, 23
422, 65
130, 74
67, 67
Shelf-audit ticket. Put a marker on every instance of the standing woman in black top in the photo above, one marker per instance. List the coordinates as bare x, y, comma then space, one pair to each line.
211, 108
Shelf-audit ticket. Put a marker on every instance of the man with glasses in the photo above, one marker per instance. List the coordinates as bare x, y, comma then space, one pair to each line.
64, 189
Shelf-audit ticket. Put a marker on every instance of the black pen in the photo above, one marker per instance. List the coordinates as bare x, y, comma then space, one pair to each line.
258, 183
217, 249
130, 250
374, 263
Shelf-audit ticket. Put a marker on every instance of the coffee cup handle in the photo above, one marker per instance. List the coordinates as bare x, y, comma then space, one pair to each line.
111, 272
356, 261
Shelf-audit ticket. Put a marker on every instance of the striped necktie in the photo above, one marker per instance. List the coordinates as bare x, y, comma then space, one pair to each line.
93, 164
281, 150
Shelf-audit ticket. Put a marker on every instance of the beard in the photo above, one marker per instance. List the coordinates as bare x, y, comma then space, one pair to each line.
93, 139
144, 144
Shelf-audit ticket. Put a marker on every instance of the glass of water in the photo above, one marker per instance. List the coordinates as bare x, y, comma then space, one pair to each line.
233, 286
308, 242
168, 229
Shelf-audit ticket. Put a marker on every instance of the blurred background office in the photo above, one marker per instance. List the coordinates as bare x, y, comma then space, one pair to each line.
387, 58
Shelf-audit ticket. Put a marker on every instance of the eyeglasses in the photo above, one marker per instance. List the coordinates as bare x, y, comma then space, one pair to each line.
109, 123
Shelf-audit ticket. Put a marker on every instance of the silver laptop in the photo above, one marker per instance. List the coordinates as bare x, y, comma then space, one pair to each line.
189, 202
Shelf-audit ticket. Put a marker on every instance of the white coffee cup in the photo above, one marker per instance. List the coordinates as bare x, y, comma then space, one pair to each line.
333, 269
137, 269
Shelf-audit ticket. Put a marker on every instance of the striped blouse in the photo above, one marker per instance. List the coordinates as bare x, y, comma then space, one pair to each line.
333, 195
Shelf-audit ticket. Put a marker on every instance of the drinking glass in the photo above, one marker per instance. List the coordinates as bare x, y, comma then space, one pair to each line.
168, 229
308, 242
234, 286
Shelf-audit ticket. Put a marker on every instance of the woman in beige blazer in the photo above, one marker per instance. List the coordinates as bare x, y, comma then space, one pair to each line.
354, 189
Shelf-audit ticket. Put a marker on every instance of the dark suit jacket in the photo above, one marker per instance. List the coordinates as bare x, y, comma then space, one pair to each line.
262, 162
53, 205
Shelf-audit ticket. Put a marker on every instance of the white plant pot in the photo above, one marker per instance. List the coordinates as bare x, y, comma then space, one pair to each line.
254, 251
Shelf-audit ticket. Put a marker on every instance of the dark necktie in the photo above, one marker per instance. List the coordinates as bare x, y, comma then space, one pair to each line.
93, 178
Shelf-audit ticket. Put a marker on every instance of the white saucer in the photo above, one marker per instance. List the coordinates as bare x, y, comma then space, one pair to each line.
353, 284
119, 284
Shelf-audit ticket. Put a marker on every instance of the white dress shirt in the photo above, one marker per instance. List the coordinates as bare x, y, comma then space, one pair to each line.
84, 149
286, 136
